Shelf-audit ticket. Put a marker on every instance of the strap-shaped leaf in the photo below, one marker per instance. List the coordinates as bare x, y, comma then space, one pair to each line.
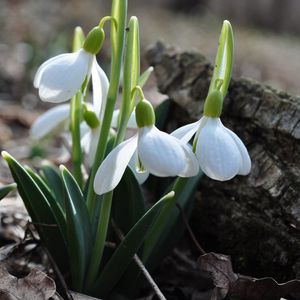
165, 234
54, 182
123, 255
162, 113
4, 190
56, 209
39, 210
128, 202
78, 229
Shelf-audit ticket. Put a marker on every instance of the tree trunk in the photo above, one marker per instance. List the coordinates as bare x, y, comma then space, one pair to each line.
256, 218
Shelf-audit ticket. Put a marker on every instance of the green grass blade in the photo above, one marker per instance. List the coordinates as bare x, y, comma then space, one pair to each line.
78, 229
55, 208
128, 202
54, 181
123, 255
39, 210
6, 189
162, 113
161, 240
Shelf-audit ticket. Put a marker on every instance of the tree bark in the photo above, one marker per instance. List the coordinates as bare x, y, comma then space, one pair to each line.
254, 218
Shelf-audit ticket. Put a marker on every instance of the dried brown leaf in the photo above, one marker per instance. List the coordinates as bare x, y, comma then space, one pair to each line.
220, 268
35, 286
241, 287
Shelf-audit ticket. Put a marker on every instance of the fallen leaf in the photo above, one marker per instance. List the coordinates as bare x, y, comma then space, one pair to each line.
235, 286
220, 268
268, 288
35, 286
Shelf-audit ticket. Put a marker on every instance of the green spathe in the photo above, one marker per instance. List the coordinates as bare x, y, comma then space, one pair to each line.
94, 40
213, 104
90, 117
144, 114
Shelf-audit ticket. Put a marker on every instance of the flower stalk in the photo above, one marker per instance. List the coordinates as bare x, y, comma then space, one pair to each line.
76, 116
131, 76
119, 13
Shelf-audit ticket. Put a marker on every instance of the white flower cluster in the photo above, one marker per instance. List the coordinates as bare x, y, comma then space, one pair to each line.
218, 151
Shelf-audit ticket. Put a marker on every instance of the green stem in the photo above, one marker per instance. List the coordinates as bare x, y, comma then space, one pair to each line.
131, 76
119, 12
98, 249
75, 132
108, 18
162, 219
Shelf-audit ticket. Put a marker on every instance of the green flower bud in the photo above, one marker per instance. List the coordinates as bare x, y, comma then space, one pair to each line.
94, 40
90, 118
213, 104
144, 114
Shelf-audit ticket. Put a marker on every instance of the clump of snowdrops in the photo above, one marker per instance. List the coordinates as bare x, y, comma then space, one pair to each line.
88, 209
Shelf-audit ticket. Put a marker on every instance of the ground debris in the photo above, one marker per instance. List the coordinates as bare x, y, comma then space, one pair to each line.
35, 286
236, 286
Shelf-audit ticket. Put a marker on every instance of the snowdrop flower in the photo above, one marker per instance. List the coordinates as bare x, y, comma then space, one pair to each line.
159, 153
220, 152
59, 78
50, 122
57, 117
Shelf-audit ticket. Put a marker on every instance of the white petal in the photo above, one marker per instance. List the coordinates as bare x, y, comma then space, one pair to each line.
192, 165
217, 153
141, 177
84, 129
113, 167
94, 138
50, 121
100, 89
60, 78
86, 140
38, 75
115, 118
131, 122
185, 133
245, 165
160, 153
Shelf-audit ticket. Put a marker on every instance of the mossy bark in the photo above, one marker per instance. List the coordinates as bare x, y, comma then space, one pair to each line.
256, 218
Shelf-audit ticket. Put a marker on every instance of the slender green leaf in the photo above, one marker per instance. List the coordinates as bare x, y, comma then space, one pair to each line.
224, 59
55, 208
162, 113
166, 233
145, 76
78, 229
123, 255
40, 211
54, 181
128, 202
6, 189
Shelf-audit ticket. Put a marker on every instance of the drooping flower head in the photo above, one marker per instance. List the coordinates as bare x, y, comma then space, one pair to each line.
157, 152
220, 152
59, 78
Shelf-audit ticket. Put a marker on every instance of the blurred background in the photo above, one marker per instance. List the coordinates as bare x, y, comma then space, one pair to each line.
267, 43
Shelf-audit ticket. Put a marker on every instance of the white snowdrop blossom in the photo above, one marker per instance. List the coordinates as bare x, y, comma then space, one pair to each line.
58, 117
220, 152
59, 78
159, 153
